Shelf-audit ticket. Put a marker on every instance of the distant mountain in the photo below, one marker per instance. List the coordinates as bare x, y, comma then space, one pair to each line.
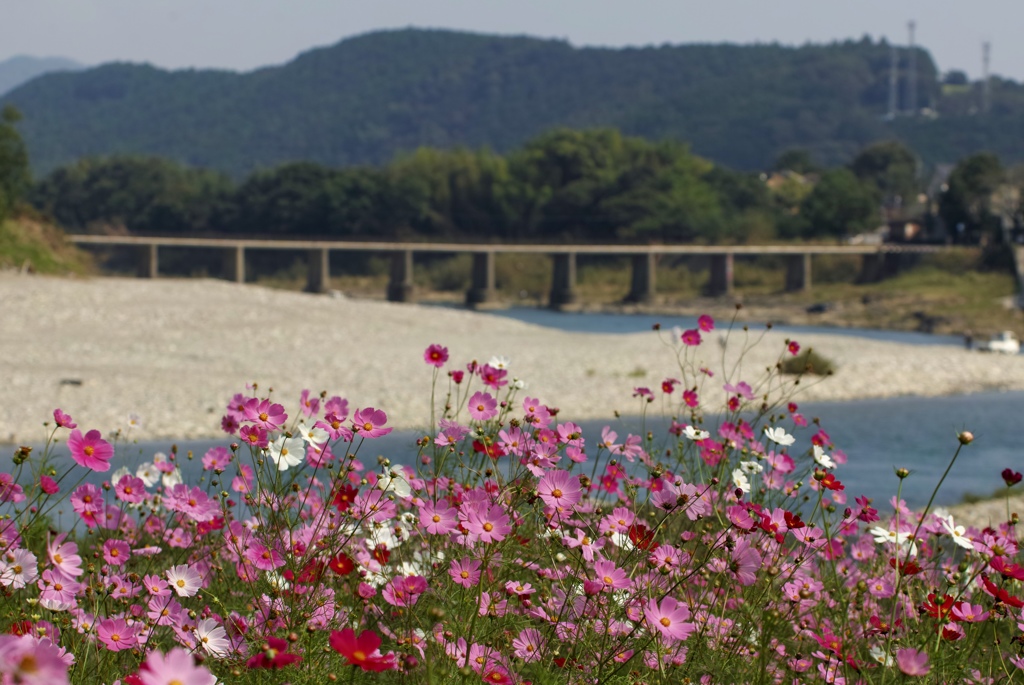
21, 69
372, 97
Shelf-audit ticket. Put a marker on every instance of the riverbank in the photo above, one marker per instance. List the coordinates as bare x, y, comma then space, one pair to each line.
173, 352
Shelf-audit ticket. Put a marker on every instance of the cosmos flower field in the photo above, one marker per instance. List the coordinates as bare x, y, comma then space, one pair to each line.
510, 548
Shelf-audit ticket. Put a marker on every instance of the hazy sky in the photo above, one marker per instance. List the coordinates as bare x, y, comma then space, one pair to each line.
244, 34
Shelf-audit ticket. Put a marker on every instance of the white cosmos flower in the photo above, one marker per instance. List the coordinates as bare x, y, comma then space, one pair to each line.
694, 434
212, 637
740, 480
822, 458
312, 435
394, 480
778, 434
751, 467
148, 474
169, 480
957, 532
884, 535
499, 362
879, 655
287, 452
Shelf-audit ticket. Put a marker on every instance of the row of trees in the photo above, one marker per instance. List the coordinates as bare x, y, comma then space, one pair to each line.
594, 186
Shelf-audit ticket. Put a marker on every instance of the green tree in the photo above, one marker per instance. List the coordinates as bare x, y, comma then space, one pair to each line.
892, 168
967, 201
840, 205
14, 170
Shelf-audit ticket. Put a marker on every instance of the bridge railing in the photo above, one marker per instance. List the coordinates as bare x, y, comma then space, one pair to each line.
878, 261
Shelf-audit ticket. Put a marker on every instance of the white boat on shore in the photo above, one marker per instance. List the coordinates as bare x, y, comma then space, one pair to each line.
1004, 342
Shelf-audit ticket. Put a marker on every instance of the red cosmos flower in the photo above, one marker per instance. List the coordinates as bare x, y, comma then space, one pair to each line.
362, 651
275, 655
343, 497
457, 376
342, 565
1011, 477
908, 568
668, 386
830, 482
641, 536
793, 347
493, 450
1008, 570
939, 609
793, 521
1001, 594
880, 627
435, 355
90, 450
381, 554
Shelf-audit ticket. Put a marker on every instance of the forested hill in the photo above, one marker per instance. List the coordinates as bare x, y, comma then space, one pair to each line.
369, 98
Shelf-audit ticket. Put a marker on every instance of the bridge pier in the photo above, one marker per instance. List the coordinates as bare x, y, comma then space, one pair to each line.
319, 271
482, 288
720, 282
234, 264
148, 262
401, 287
879, 266
643, 289
798, 273
563, 281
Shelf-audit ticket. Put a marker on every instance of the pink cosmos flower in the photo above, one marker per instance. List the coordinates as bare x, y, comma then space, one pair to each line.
450, 433
671, 618
403, 591
90, 450
177, 666
465, 572
912, 662
57, 591
529, 644
116, 552
63, 420
24, 659
216, 459
613, 577
308, 405
793, 347
493, 378
130, 489
263, 414
18, 568
48, 485
64, 556
254, 436
438, 518
691, 337
482, 407
536, 413
262, 557
559, 489
369, 423
87, 501
9, 490
435, 355
116, 634
705, 323
690, 398
243, 481
746, 561
488, 524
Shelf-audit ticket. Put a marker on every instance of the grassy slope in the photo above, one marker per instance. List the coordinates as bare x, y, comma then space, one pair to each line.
28, 243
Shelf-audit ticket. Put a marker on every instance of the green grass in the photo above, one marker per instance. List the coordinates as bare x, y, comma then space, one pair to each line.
30, 244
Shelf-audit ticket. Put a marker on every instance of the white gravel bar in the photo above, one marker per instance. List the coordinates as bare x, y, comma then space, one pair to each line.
175, 351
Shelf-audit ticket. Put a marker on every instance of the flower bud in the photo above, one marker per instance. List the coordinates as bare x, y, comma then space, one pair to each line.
965, 437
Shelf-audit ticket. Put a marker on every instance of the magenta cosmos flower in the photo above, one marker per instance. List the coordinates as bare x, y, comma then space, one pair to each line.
691, 337
482, 407
488, 524
369, 423
559, 489
435, 355
912, 662
671, 618
90, 450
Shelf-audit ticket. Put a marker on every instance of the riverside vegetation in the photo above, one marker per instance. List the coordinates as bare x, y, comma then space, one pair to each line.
510, 549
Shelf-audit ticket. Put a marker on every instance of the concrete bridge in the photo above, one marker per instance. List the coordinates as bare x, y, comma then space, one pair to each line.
879, 260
